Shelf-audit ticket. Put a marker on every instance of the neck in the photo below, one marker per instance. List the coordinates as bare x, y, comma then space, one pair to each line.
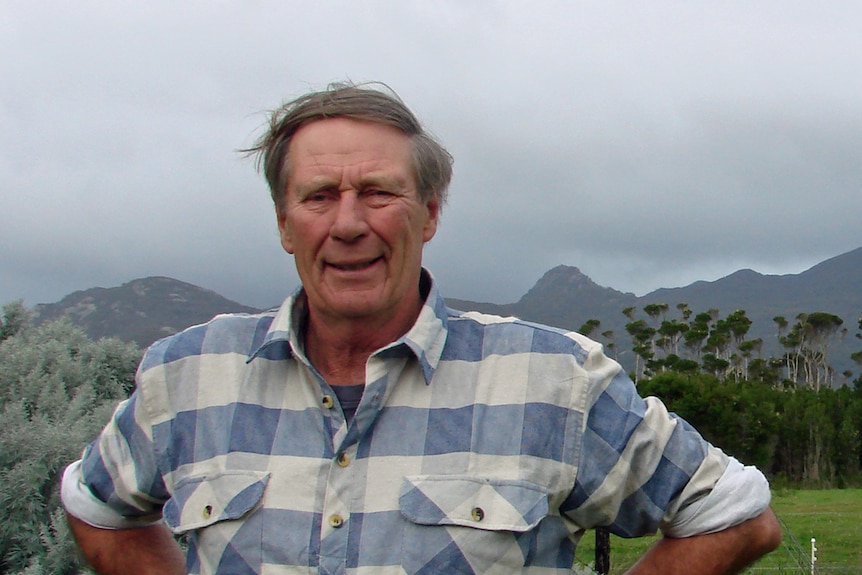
340, 348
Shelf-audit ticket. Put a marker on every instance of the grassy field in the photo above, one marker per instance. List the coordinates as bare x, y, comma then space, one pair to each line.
833, 517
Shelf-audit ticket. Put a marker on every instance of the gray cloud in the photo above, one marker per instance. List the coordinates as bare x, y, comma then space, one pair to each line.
651, 146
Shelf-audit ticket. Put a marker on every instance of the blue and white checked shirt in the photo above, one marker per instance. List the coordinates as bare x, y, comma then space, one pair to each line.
481, 445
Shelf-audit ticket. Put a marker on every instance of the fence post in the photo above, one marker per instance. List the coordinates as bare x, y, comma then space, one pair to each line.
603, 552
813, 555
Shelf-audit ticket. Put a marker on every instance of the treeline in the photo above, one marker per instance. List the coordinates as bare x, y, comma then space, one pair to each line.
787, 414
682, 341
799, 436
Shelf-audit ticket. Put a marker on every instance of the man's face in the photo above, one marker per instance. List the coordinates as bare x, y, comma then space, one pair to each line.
353, 220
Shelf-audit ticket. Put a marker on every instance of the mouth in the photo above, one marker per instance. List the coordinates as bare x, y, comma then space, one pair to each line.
354, 267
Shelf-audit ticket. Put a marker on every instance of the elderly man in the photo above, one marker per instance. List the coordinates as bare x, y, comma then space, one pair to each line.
364, 427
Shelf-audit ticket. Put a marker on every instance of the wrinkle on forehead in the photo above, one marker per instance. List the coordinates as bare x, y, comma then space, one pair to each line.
334, 154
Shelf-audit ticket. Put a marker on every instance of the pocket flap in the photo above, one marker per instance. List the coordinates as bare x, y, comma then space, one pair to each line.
201, 500
498, 505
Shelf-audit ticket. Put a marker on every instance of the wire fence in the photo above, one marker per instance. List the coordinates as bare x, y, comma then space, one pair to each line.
793, 557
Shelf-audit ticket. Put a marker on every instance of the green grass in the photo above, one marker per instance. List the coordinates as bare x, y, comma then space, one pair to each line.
832, 516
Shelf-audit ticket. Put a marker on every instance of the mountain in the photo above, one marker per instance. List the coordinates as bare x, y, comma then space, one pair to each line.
142, 310
564, 297
146, 309
833, 286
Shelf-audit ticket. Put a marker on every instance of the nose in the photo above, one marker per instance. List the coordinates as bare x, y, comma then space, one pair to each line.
349, 224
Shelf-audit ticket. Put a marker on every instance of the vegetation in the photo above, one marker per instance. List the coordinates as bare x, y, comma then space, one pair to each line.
57, 390
784, 414
706, 342
797, 437
830, 516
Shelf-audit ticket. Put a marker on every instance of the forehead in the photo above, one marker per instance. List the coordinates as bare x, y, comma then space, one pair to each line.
342, 143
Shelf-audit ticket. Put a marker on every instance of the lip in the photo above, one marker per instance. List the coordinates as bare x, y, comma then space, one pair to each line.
348, 267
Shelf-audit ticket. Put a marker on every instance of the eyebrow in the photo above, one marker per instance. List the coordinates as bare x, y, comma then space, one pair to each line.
323, 182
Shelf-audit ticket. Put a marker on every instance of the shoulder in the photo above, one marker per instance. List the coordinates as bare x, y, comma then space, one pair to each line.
472, 333
223, 334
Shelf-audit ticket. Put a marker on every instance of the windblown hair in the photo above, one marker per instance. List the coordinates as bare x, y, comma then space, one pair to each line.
432, 164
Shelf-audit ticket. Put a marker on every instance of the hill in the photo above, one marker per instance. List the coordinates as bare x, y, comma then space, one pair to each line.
146, 309
142, 310
564, 297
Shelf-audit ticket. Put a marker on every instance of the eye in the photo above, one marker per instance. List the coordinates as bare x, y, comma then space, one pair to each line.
378, 197
317, 196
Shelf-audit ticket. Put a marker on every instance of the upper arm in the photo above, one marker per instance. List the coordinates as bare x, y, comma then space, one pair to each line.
118, 478
639, 464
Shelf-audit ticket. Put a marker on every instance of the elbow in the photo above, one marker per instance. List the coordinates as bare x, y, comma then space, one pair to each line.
768, 531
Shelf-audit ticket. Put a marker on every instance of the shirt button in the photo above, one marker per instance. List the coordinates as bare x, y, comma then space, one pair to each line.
207, 512
336, 521
327, 401
343, 460
478, 514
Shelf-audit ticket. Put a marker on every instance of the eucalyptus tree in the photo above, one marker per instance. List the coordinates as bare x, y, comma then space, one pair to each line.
642, 345
808, 343
696, 335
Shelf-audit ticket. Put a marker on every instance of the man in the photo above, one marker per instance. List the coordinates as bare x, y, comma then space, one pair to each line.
366, 428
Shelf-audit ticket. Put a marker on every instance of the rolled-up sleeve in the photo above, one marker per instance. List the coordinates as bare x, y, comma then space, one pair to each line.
116, 483
642, 469
741, 493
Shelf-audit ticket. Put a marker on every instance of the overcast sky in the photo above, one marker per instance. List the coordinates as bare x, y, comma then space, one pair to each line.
650, 144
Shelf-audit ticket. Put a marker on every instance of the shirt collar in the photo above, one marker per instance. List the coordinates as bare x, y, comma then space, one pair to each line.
425, 339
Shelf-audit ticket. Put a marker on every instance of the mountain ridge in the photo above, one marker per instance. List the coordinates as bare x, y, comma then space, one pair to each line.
147, 309
141, 310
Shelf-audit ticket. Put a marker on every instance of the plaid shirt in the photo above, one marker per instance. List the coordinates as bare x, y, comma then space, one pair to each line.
481, 445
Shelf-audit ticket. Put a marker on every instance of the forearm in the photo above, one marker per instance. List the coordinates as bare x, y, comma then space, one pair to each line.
721, 553
144, 551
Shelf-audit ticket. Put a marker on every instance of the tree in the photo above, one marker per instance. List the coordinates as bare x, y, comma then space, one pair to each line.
697, 333
672, 332
57, 389
15, 318
684, 310
822, 329
589, 327
808, 343
642, 335
610, 342
654, 310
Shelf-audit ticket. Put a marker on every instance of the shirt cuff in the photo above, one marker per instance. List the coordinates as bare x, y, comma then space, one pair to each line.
741, 493
80, 502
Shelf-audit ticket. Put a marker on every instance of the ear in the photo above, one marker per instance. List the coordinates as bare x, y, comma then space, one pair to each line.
284, 231
432, 208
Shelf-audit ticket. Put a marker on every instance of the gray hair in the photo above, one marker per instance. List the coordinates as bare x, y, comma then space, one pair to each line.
432, 164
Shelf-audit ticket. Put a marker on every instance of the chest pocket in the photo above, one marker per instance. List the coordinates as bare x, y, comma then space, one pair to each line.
469, 525
495, 505
203, 500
